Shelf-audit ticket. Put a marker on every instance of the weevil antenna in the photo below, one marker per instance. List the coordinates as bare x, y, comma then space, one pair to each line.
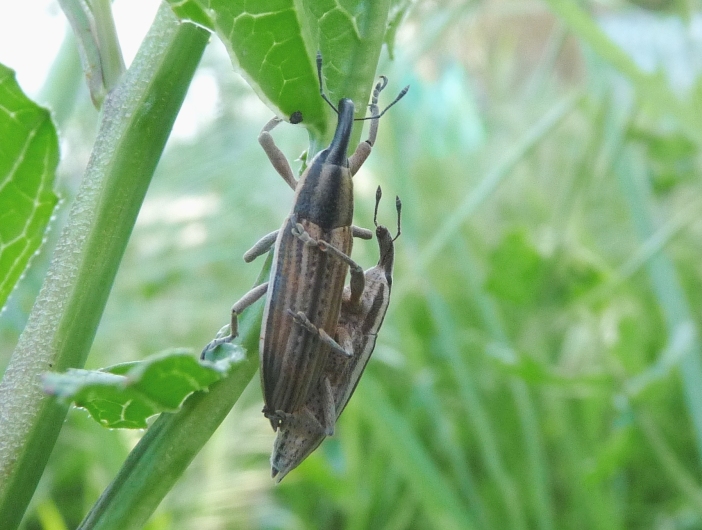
398, 205
321, 88
378, 195
398, 98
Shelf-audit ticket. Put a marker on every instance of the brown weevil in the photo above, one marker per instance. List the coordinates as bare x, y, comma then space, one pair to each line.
310, 261
357, 331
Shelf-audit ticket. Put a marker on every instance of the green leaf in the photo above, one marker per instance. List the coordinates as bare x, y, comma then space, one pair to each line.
274, 43
671, 157
193, 11
517, 270
126, 395
535, 373
28, 160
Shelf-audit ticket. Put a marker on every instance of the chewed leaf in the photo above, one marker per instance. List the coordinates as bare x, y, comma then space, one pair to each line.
126, 395
274, 44
28, 160
193, 11
266, 40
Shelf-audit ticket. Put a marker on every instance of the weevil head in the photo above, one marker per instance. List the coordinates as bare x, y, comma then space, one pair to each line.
386, 245
325, 192
339, 146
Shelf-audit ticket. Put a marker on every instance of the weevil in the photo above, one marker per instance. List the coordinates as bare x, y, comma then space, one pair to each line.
359, 323
308, 279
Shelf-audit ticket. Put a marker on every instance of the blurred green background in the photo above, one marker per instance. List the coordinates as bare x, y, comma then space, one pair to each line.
540, 365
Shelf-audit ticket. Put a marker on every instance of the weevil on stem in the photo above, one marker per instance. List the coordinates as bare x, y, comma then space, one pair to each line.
359, 323
310, 261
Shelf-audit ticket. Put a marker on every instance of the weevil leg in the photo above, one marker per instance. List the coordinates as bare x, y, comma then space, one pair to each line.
358, 279
262, 246
274, 418
303, 422
362, 152
301, 319
328, 407
364, 149
245, 301
275, 155
361, 233
344, 340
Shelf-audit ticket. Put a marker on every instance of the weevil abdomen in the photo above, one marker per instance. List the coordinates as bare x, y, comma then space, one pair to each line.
304, 279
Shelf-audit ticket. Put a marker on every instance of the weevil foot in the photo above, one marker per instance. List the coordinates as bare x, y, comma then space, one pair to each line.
301, 319
276, 418
214, 344
303, 235
299, 231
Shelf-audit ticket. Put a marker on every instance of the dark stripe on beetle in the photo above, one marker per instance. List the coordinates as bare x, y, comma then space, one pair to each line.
284, 393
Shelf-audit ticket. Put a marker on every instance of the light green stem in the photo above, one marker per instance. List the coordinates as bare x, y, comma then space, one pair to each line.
136, 121
170, 444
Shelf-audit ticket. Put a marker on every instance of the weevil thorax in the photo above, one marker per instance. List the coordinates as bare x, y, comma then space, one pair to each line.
325, 193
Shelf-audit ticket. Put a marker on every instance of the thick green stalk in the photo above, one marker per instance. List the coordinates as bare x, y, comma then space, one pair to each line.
170, 444
136, 121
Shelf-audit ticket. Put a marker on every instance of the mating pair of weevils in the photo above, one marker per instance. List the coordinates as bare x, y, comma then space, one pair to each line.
316, 334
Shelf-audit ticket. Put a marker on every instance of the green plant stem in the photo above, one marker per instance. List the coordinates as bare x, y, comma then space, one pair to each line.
136, 120
170, 444
407, 453
666, 285
652, 87
60, 90
524, 404
99, 47
110, 50
81, 21
487, 186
